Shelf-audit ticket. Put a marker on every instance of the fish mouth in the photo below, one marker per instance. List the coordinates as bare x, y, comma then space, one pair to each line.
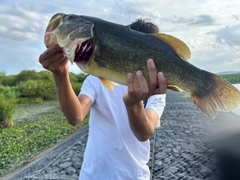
84, 52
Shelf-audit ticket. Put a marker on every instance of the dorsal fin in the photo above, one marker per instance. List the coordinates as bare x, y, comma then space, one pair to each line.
180, 48
108, 84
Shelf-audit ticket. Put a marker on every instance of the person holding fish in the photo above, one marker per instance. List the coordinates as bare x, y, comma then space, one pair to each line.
111, 53
119, 127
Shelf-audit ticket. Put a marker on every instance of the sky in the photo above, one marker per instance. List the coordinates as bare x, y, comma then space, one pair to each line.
211, 29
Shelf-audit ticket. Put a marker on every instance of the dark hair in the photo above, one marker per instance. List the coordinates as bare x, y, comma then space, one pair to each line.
144, 26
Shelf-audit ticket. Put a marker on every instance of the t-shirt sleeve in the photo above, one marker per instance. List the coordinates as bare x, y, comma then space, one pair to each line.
157, 103
89, 87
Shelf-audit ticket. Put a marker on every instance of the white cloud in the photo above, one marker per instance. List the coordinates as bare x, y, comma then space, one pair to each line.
19, 25
234, 62
194, 42
3, 29
209, 28
229, 35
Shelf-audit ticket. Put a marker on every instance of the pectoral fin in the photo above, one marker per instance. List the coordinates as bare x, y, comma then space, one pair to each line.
180, 48
108, 84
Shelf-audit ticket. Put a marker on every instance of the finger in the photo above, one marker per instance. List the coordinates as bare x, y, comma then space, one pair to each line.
52, 60
65, 61
152, 75
49, 52
59, 62
142, 83
162, 83
130, 83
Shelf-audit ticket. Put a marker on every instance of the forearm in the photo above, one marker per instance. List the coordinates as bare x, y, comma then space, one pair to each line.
141, 125
143, 122
68, 100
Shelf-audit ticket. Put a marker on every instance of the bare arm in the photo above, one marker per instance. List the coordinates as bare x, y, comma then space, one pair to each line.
74, 108
143, 122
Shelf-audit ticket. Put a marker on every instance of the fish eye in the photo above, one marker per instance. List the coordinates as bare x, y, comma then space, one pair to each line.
69, 17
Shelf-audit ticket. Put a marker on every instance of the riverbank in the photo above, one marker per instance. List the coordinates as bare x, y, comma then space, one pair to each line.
182, 148
36, 128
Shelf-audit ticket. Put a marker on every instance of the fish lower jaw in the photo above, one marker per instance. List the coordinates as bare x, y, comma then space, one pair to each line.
69, 50
83, 68
69, 55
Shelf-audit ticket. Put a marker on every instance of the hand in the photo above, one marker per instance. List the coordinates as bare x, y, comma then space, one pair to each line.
157, 85
54, 60
162, 84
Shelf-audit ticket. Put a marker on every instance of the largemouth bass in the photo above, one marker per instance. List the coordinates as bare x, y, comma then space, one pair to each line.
110, 51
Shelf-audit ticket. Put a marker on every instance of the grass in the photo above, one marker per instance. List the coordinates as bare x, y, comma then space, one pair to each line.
186, 96
37, 127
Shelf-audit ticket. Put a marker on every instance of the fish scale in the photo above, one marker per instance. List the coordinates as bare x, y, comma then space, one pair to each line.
115, 50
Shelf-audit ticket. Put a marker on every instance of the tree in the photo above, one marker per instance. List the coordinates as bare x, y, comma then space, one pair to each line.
25, 75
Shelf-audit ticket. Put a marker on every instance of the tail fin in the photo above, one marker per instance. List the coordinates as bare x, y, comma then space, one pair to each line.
222, 96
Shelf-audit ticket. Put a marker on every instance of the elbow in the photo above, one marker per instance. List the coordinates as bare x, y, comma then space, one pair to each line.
146, 136
143, 139
74, 122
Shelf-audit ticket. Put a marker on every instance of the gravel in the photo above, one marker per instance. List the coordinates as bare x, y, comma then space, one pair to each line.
185, 147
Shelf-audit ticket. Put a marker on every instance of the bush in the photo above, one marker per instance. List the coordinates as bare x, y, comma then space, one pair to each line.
44, 89
22, 142
9, 80
81, 77
6, 111
2, 75
26, 75
76, 87
232, 78
29, 100
8, 92
73, 77
45, 75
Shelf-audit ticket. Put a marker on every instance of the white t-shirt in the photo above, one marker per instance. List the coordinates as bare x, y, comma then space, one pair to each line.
112, 151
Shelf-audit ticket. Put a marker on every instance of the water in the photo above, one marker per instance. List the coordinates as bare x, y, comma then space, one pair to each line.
237, 110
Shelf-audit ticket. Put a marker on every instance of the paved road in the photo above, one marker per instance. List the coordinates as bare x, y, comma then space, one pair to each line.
183, 148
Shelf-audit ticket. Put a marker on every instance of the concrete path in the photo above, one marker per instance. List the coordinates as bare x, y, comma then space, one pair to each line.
183, 148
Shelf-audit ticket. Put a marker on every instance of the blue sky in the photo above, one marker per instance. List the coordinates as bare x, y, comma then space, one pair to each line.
210, 28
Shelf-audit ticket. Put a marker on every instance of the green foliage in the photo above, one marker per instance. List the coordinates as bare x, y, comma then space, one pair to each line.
9, 80
81, 77
32, 134
77, 87
2, 73
26, 75
2, 76
29, 136
232, 78
37, 89
45, 75
187, 95
25, 141
34, 87
73, 77
8, 92
27, 100
77, 81
7, 110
